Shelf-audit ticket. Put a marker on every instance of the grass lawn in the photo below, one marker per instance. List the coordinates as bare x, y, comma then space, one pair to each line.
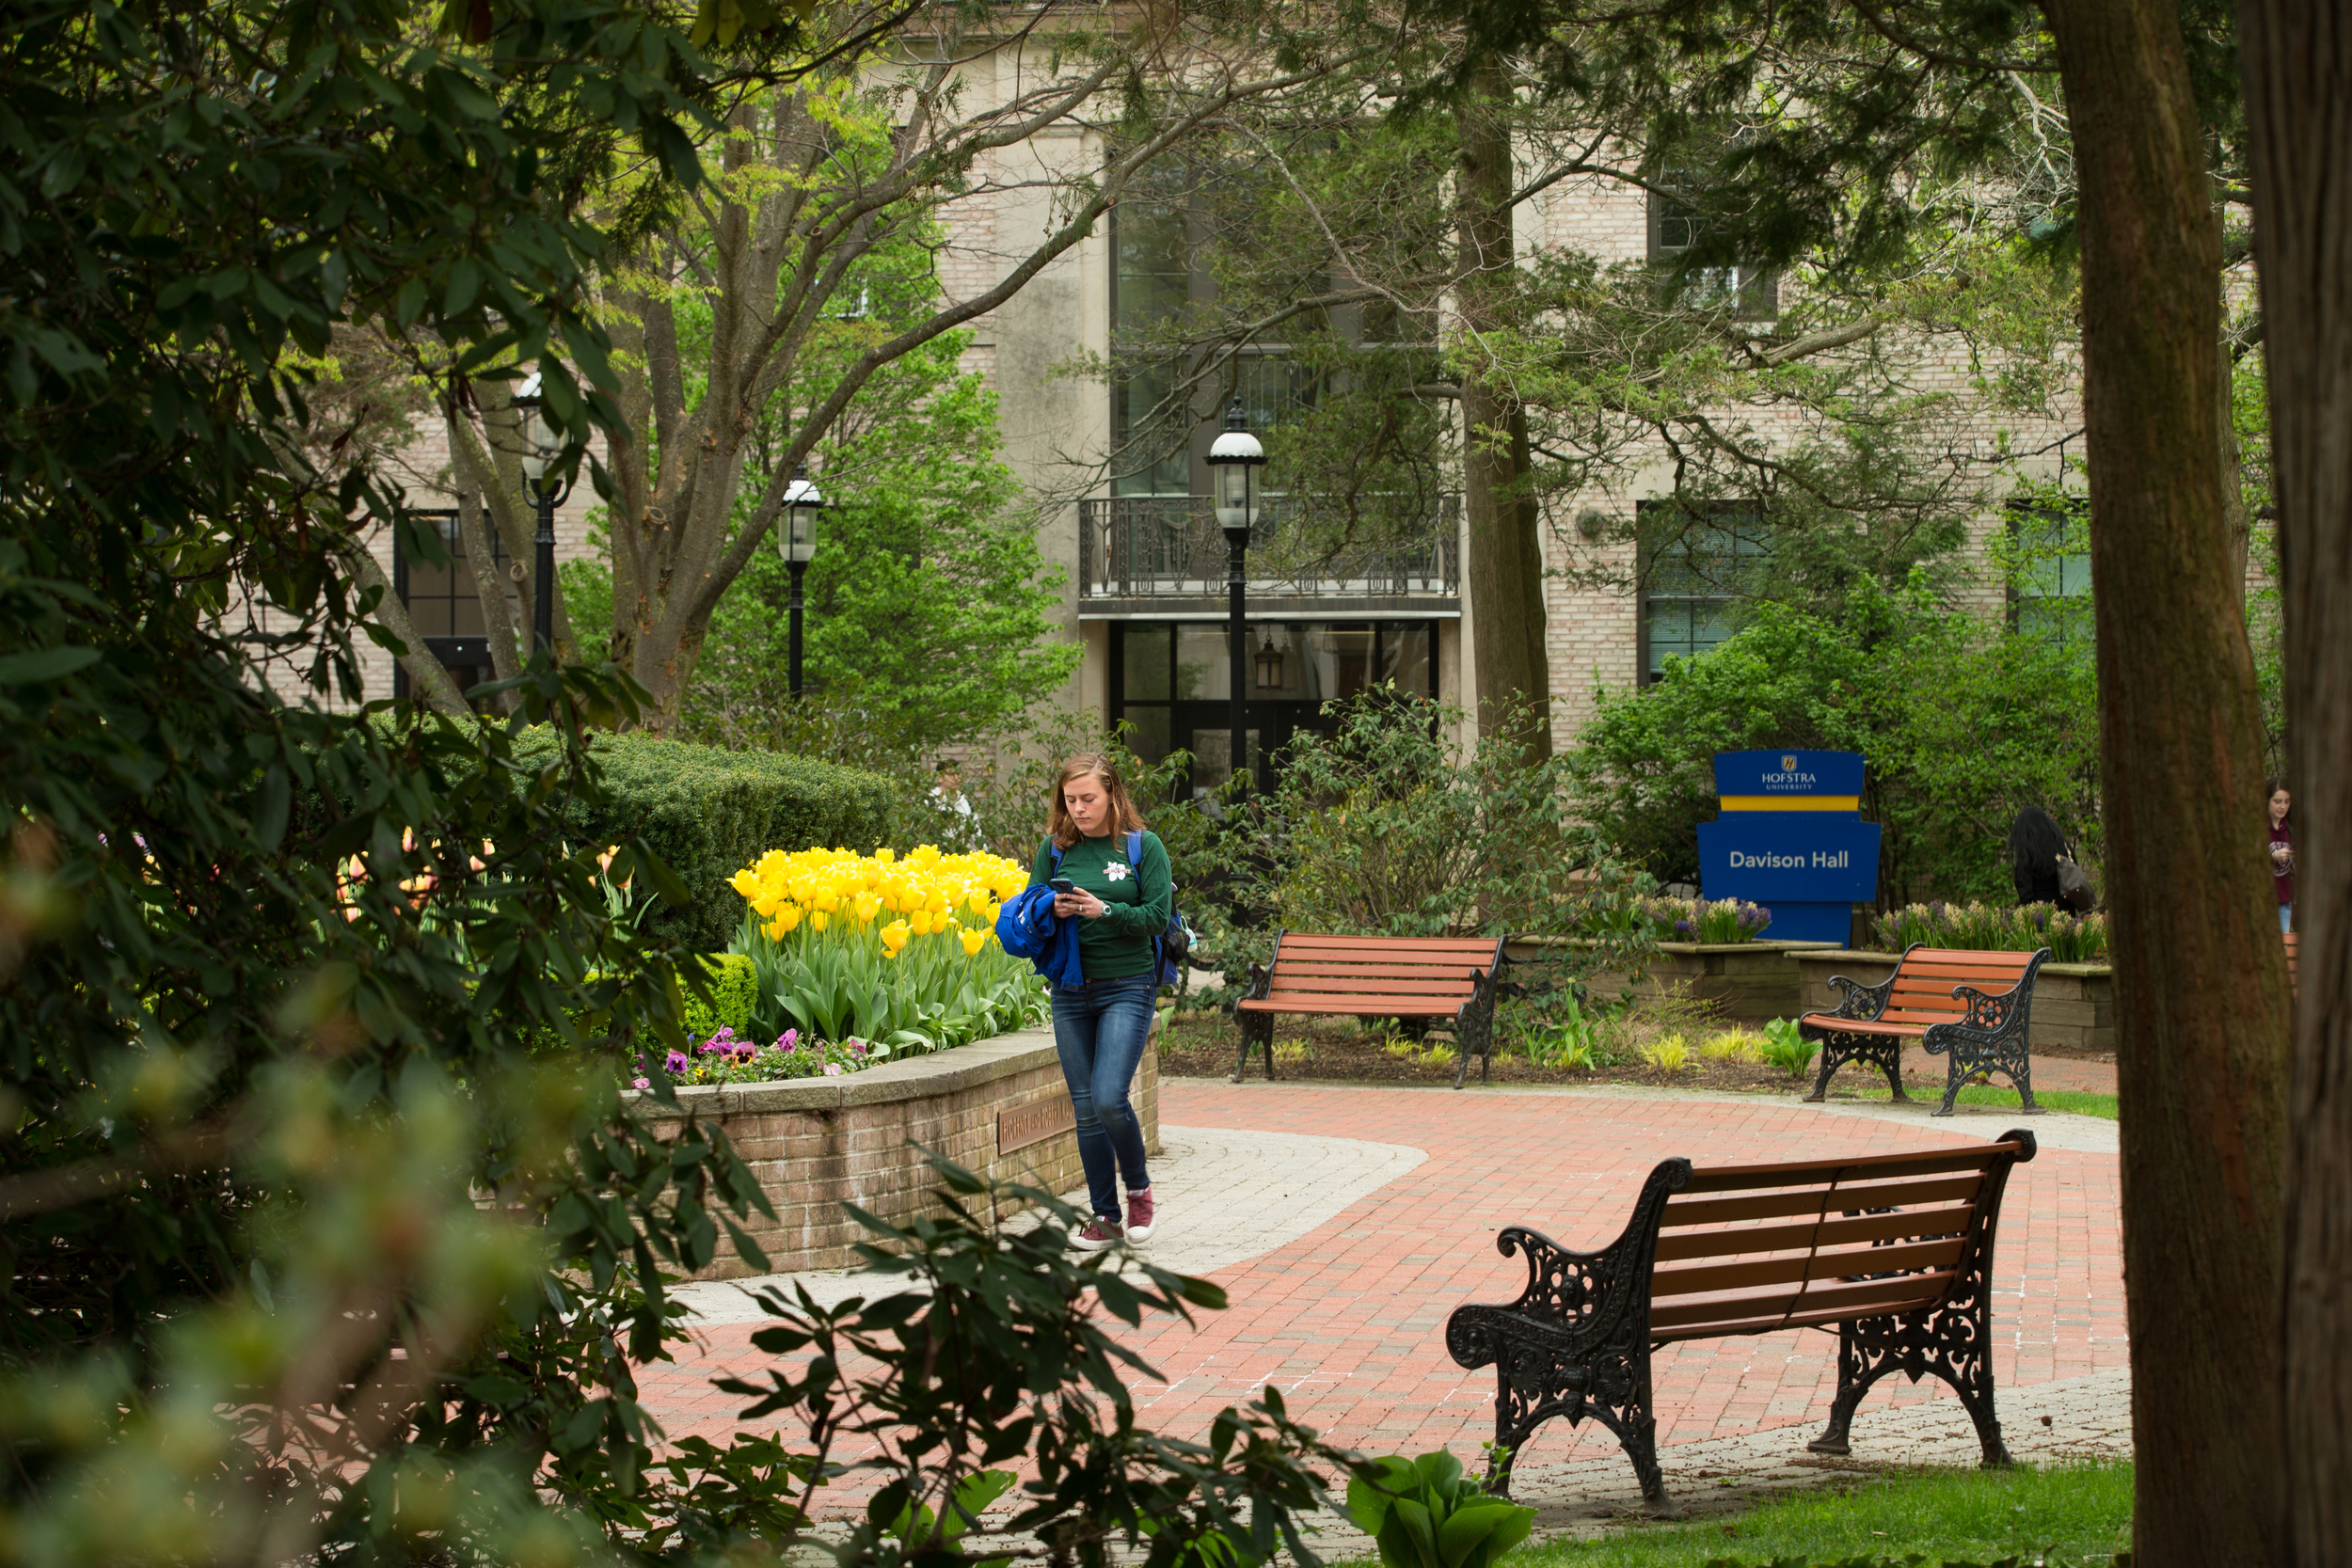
2082, 1102
2070, 1514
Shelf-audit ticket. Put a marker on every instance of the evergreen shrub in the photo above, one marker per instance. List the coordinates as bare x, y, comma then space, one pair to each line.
708, 813
734, 986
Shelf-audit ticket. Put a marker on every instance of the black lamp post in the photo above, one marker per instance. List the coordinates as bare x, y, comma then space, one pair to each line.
540, 449
1233, 456
797, 542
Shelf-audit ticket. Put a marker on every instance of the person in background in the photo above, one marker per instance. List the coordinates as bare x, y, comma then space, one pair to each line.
2283, 853
957, 831
1103, 1026
2035, 845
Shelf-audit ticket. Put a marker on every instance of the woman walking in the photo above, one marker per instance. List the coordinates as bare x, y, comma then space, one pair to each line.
2283, 853
2035, 845
1113, 877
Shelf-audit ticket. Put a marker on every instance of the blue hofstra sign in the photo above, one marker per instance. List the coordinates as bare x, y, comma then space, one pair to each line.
1790, 837
1838, 774
1789, 857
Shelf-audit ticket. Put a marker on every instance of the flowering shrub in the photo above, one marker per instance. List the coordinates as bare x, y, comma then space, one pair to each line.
2072, 939
725, 1058
1697, 920
896, 950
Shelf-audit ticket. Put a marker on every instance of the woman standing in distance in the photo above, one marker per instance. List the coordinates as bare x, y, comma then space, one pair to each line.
1102, 1026
2283, 853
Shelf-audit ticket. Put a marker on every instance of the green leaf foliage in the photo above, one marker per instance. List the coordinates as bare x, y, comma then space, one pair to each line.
1426, 1514
709, 812
1960, 723
985, 1342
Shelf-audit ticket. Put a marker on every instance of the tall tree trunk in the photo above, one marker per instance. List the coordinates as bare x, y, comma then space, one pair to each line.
2297, 64
2200, 987
1504, 568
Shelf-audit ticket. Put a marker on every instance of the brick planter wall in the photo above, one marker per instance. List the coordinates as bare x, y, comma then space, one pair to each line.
997, 1107
2074, 1004
1748, 981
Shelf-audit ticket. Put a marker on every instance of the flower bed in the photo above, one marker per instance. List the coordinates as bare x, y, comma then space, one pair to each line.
996, 1106
728, 1058
2072, 939
1716, 922
834, 965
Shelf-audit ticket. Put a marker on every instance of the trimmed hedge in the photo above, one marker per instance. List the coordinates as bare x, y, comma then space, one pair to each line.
709, 812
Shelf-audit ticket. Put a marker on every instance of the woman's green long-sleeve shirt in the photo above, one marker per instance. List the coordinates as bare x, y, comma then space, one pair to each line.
1136, 901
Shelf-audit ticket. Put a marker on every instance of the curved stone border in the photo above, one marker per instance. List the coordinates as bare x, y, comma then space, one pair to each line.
996, 1106
1748, 981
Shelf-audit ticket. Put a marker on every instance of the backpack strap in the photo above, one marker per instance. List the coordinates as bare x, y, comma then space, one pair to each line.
1135, 847
1053, 850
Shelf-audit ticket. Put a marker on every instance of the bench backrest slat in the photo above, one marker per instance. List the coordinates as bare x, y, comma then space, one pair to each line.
1753, 1314
1940, 1220
1307, 942
1325, 984
1839, 1263
1792, 1173
1765, 1206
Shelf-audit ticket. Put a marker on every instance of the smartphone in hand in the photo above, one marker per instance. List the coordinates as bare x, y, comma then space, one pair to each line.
1062, 885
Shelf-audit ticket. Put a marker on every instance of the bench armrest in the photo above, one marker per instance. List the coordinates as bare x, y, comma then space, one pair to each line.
1991, 1014
1573, 1299
1867, 1002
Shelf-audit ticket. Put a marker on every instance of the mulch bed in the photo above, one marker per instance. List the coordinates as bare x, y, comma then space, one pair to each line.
1335, 1050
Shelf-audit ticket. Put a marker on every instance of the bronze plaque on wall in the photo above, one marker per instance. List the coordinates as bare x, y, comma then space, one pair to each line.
1035, 1122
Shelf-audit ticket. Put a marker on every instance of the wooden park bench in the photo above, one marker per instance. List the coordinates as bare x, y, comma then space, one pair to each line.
1895, 1250
1452, 978
1971, 1007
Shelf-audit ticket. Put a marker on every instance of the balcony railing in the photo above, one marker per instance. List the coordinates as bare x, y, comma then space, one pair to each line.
1168, 548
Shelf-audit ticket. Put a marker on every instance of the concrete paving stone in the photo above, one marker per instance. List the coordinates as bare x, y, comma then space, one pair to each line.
1259, 1195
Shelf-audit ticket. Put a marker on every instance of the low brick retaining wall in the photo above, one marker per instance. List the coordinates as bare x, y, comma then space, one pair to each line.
1748, 981
997, 1107
2074, 1004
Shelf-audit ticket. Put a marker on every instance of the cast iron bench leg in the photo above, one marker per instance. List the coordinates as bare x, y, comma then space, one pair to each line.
1884, 1054
1948, 1343
2011, 1056
1255, 1028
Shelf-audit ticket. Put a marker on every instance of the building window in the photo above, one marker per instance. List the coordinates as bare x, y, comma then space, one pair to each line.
2049, 593
1675, 224
1169, 683
443, 605
1151, 283
1692, 575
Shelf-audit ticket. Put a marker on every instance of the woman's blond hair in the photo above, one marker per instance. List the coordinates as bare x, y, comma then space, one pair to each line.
1099, 764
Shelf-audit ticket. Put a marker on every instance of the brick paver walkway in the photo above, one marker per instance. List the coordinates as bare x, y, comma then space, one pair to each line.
1347, 1319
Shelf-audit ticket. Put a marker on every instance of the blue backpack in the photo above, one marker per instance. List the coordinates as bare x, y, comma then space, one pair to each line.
1169, 949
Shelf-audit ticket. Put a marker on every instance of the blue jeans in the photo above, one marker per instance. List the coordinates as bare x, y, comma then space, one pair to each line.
2286, 918
1101, 1029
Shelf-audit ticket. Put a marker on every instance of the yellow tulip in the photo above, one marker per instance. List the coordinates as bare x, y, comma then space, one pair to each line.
817, 920
894, 936
787, 918
973, 940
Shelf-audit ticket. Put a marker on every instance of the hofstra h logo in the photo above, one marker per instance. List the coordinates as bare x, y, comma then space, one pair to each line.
1788, 762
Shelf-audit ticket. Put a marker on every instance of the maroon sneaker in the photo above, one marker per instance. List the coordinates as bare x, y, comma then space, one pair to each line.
1098, 1234
1140, 1215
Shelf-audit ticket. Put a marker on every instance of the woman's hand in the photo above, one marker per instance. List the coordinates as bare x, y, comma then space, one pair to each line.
1081, 903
